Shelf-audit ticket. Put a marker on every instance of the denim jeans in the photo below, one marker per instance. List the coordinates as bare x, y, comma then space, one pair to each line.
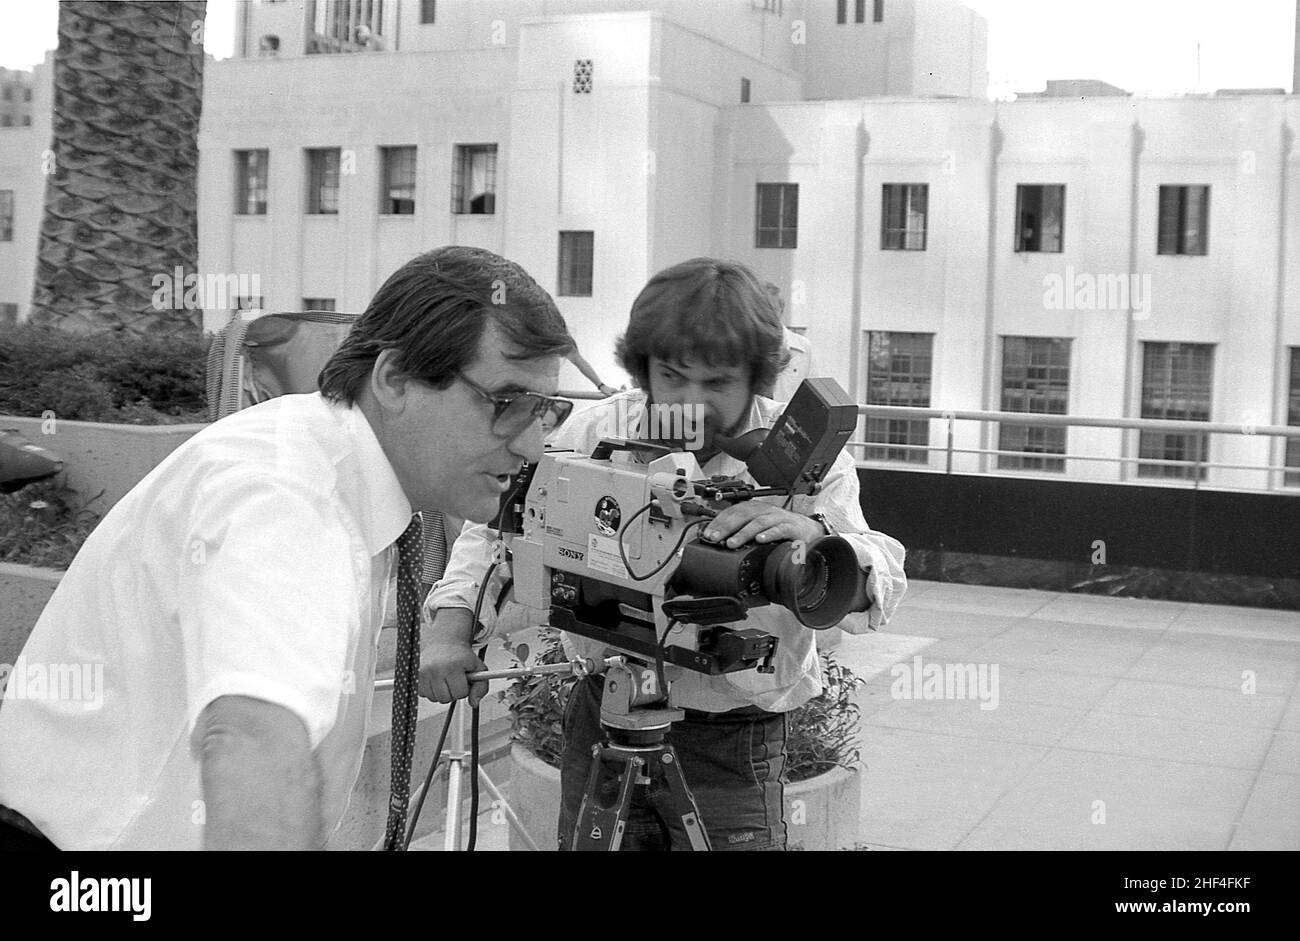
733, 763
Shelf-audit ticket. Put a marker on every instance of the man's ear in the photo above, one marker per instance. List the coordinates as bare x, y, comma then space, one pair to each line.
388, 384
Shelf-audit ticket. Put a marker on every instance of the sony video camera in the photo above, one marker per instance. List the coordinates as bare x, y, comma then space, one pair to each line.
599, 535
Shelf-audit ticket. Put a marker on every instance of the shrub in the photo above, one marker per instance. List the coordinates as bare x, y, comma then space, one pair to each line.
115, 377
43, 524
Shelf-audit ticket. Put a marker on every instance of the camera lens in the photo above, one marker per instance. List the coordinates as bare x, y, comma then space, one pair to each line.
817, 581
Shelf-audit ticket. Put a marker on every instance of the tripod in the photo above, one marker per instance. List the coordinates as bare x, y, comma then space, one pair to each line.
636, 755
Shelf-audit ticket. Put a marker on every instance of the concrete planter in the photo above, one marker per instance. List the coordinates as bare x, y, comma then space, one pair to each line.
103, 457
821, 813
24, 590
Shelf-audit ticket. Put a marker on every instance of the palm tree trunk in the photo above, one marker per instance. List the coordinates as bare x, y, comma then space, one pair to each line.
121, 200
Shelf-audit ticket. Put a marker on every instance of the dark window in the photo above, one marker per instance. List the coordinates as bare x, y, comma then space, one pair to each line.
268, 45
6, 215
841, 11
6, 120
323, 181
1175, 385
1293, 418
878, 11
574, 278
27, 94
1035, 378
898, 373
744, 91
9, 93
318, 303
859, 11
428, 11
902, 217
1184, 220
474, 179
251, 170
776, 214
1040, 218
398, 195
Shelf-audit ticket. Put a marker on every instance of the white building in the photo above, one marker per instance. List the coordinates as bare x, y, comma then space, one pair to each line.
1107, 257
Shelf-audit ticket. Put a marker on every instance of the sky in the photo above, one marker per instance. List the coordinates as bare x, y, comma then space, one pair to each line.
1145, 46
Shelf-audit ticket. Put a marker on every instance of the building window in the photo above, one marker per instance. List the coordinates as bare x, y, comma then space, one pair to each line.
744, 91
251, 171
576, 250
898, 373
902, 217
841, 11
318, 303
582, 69
428, 11
6, 215
1184, 220
1040, 218
323, 181
268, 45
776, 214
1035, 378
859, 11
6, 120
474, 179
345, 26
878, 11
398, 194
1175, 385
1293, 418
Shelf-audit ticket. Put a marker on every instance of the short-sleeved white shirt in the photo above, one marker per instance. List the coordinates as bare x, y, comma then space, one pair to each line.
253, 561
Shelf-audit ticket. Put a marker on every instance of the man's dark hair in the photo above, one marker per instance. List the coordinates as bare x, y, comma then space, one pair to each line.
433, 311
704, 308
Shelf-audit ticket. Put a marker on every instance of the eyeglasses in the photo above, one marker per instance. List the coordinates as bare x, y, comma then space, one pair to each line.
515, 411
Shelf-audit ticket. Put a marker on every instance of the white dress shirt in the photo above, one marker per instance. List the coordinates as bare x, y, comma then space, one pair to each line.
797, 677
253, 561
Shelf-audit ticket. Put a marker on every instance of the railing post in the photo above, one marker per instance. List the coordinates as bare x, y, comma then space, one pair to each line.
951, 419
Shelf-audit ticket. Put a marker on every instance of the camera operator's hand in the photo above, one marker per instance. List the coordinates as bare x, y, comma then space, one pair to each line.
447, 660
752, 521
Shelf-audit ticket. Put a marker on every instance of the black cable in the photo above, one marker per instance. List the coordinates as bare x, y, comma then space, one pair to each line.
415, 817
622, 549
428, 778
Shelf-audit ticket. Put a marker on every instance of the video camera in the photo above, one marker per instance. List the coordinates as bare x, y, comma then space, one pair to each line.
597, 536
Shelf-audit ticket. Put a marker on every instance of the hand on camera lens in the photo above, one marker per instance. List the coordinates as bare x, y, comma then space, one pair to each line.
759, 522
444, 669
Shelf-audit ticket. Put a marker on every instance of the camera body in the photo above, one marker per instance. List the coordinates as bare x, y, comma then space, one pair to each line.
599, 537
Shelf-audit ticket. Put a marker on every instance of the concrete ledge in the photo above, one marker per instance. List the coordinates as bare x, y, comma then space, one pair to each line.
24, 590
100, 457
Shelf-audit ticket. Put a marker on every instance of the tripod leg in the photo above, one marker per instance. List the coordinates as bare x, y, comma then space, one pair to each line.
680, 803
600, 826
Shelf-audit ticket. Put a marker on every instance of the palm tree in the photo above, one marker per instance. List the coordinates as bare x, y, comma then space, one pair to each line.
120, 202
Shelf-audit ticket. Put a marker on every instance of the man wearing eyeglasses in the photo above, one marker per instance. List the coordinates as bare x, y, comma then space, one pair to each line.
231, 602
702, 340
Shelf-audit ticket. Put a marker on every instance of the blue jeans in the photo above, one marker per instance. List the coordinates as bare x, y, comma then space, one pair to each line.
733, 763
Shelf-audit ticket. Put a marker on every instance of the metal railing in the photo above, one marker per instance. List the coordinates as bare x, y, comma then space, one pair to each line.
1281, 478
943, 458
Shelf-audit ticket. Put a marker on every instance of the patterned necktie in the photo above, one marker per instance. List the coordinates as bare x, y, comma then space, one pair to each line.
406, 700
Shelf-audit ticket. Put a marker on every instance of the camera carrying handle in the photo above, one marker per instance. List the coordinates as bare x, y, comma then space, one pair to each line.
647, 451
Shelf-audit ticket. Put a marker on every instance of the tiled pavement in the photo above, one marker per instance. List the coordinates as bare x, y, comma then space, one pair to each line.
1119, 724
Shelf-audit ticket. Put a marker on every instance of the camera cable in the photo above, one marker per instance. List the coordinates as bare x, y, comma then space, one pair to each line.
622, 548
442, 738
